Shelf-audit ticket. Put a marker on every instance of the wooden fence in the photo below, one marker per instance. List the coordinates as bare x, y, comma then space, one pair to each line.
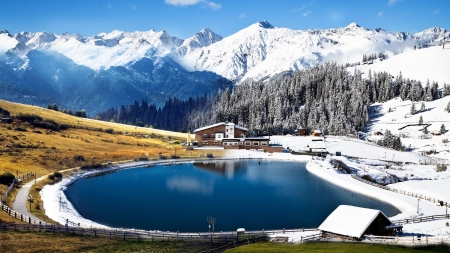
122, 234
408, 240
7, 191
20, 216
407, 193
422, 219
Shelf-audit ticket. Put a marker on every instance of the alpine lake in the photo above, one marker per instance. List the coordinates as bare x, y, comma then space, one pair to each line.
251, 194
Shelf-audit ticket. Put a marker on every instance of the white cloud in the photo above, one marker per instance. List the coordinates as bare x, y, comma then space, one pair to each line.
214, 6
306, 13
182, 2
133, 7
110, 6
304, 5
436, 11
380, 14
391, 2
206, 4
243, 15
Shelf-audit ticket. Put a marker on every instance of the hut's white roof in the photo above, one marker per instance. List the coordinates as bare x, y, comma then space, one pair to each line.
317, 145
349, 220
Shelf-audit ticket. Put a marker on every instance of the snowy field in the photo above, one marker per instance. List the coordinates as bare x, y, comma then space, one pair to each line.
415, 64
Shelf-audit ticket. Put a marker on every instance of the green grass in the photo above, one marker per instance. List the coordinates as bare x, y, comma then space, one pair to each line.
331, 247
57, 242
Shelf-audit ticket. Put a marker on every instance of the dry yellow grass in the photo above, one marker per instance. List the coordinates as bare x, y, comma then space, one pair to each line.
43, 152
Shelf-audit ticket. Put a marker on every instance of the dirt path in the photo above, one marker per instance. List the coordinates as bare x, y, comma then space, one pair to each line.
19, 204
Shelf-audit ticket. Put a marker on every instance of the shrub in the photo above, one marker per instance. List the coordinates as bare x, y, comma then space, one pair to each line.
142, 158
78, 158
209, 155
20, 129
58, 174
441, 167
109, 130
368, 178
51, 177
342, 167
6, 178
174, 157
92, 166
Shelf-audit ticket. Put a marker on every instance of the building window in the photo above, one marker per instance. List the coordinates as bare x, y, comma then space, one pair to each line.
225, 143
205, 143
240, 143
255, 143
212, 135
205, 135
247, 143
242, 135
264, 143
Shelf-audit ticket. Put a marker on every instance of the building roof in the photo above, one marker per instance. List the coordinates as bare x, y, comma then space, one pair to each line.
350, 220
317, 145
219, 124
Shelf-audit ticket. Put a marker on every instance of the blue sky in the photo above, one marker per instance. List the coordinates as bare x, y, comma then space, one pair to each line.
183, 18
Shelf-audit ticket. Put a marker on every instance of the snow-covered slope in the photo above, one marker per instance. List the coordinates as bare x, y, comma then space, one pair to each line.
258, 51
263, 50
424, 64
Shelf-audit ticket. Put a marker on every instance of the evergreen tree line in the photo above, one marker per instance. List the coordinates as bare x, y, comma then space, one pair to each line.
326, 97
172, 116
373, 56
81, 113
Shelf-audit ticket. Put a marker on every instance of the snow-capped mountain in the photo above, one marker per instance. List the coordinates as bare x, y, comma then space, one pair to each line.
154, 65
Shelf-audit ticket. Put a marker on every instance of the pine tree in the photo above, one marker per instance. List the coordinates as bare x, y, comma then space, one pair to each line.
446, 90
413, 109
447, 109
420, 120
442, 130
422, 107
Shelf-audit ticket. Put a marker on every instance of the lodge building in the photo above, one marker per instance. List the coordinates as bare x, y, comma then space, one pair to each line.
231, 136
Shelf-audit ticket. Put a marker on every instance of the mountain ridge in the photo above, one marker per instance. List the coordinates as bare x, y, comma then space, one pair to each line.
169, 66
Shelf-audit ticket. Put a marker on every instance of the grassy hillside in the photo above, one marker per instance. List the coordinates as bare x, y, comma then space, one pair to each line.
25, 148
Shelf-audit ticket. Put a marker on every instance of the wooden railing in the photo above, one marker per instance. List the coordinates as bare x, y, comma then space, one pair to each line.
124, 234
422, 219
19, 178
408, 240
20, 216
407, 193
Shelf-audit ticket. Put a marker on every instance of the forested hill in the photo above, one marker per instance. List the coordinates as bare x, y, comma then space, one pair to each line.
325, 97
173, 115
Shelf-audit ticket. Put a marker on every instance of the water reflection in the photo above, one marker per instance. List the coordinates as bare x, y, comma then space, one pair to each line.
227, 168
190, 185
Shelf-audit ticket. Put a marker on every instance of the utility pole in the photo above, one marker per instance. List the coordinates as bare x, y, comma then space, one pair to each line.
212, 221
208, 219
30, 199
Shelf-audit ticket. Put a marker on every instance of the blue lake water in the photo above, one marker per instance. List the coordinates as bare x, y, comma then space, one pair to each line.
250, 194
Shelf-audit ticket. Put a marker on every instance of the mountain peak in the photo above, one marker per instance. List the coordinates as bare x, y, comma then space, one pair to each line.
265, 24
353, 25
6, 32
